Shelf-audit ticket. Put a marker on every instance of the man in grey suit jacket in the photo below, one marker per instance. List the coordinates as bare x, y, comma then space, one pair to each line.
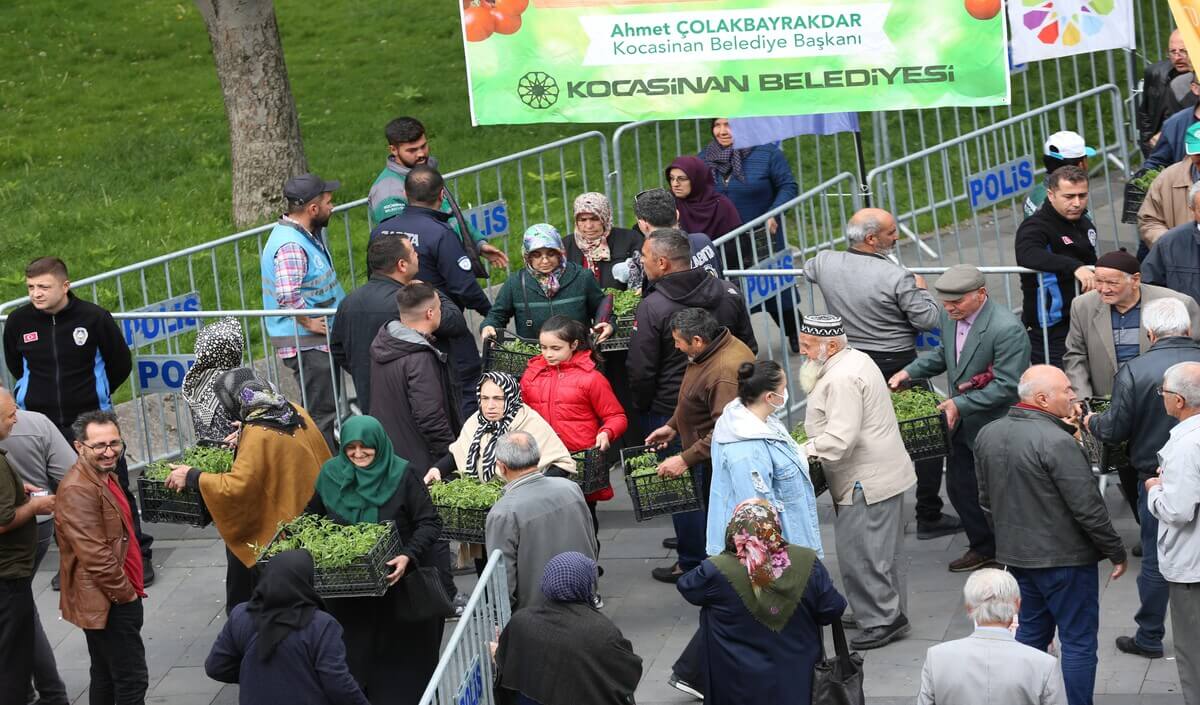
983, 351
1106, 329
536, 518
990, 667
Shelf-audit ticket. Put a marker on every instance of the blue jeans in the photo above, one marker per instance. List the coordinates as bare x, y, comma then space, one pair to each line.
1152, 587
1067, 598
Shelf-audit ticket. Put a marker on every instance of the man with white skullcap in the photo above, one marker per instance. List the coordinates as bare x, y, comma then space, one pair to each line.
852, 432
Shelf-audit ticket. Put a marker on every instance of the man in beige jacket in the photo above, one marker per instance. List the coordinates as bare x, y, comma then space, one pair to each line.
1166, 204
853, 432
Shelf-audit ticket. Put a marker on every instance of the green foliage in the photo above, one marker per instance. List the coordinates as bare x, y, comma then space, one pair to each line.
642, 465
646, 465
915, 403
332, 545
1143, 182
1099, 404
624, 302
466, 493
520, 346
204, 458
799, 435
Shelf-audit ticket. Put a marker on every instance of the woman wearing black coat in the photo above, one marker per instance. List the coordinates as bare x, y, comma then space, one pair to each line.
392, 657
596, 245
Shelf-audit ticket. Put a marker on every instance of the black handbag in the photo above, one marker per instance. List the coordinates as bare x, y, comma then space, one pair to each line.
420, 596
839, 680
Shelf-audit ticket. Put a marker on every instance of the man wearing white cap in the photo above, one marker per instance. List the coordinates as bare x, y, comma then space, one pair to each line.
853, 433
1166, 205
1063, 148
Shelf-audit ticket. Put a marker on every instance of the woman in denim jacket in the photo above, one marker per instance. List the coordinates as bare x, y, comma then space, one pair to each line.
754, 456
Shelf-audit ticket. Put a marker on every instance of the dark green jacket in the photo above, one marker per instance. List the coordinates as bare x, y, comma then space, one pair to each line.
997, 338
522, 298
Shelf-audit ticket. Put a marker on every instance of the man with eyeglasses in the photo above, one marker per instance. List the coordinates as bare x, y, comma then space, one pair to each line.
1136, 415
100, 564
1162, 94
1173, 497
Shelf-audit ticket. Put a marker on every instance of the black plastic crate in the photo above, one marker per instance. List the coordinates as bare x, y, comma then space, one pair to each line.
1104, 457
653, 495
162, 505
591, 470
1134, 196
925, 437
365, 577
622, 331
497, 359
816, 473
464, 525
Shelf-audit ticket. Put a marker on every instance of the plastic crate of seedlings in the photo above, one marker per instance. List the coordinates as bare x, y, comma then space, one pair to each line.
508, 354
816, 472
1104, 457
653, 495
1135, 194
625, 303
162, 505
463, 504
350, 560
922, 425
591, 470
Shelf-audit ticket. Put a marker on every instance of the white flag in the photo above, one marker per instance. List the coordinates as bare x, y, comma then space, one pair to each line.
1048, 29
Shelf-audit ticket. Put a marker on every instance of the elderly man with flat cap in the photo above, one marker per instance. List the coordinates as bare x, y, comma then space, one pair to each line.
983, 352
852, 431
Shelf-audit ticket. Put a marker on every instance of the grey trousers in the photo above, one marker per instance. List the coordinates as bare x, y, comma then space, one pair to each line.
1185, 629
868, 538
50, 687
319, 397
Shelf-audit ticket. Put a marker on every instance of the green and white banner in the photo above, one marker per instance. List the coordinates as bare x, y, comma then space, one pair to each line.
623, 60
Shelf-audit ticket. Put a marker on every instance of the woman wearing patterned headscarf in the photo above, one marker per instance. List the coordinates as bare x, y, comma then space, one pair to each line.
763, 603
597, 245
218, 349
582, 656
548, 285
279, 453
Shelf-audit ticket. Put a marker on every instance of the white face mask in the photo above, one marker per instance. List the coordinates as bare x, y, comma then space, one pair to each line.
782, 408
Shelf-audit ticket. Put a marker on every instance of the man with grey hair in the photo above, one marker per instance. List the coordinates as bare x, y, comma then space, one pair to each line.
1173, 497
535, 519
1175, 257
1051, 524
1136, 415
983, 351
990, 667
852, 431
883, 307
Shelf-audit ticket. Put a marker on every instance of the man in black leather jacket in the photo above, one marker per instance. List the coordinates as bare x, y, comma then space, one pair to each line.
1137, 415
1158, 99
1051, 525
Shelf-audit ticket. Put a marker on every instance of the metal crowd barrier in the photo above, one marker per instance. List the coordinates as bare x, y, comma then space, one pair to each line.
465, 671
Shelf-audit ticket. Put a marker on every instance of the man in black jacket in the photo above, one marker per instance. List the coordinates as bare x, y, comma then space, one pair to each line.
411, 379
393, 265
1058, 240
1137, 415
655, 366
1159, 97
442, 263
1051, 525
68, 355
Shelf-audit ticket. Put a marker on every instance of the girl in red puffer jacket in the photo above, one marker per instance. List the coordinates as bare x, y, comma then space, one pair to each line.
566, 388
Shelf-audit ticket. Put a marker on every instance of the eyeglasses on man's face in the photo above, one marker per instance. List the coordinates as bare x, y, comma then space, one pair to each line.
101, 448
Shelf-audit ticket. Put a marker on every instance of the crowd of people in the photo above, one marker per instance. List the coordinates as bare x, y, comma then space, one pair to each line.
690, 384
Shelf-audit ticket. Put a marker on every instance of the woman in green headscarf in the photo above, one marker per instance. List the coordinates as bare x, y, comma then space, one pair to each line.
391, 658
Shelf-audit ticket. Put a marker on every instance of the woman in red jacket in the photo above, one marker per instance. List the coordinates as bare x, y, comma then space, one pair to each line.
565, 387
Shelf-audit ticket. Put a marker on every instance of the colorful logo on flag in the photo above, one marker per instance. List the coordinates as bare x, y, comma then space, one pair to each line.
1068, 21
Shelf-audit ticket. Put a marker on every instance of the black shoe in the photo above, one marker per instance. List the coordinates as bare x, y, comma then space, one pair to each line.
671, 543
876, 637
667, 575
147, 573
1137, 550
970, 561
945, 525
684, 687
848, 621
54, 583
1127, 645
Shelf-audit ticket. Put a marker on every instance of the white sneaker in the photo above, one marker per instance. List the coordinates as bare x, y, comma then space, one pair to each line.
684, 687
597, 601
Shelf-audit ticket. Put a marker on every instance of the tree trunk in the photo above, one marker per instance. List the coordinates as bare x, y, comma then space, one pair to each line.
264, 131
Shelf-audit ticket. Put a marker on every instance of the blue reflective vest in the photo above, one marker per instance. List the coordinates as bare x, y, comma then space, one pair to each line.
319, 288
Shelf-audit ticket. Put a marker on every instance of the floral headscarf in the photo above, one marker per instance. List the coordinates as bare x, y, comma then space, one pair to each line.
754, 536
542, 236
253, 400
596, 204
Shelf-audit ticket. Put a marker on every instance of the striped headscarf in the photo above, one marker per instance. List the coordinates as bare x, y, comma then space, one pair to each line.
512, 404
